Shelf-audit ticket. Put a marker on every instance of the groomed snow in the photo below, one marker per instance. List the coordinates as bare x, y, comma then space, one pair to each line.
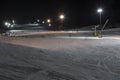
59, 59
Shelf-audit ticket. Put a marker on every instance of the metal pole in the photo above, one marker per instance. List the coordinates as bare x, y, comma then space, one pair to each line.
104, 25
100, 18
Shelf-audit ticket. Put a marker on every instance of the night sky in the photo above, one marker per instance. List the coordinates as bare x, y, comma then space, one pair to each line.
77, 12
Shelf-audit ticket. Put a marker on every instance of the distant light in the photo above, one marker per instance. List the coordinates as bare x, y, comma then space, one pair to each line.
43, 22
38, 20
13, 21
61, 16
6, 23
49, 25
48, 20
9, 24
12, 26
99, 10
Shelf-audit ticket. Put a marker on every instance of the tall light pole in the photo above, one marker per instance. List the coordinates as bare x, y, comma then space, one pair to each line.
61, 18
100, 10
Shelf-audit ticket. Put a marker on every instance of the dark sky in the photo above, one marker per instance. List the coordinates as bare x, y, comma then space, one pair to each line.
77, 12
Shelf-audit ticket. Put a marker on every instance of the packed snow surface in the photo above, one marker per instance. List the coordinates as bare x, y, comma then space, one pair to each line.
59, 59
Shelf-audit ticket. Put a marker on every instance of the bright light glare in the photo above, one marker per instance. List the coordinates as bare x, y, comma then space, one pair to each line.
62, 16
99, 10
48, 20
6, 23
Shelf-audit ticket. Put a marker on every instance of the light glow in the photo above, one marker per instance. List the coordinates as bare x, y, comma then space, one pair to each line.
100, 10
62, 16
